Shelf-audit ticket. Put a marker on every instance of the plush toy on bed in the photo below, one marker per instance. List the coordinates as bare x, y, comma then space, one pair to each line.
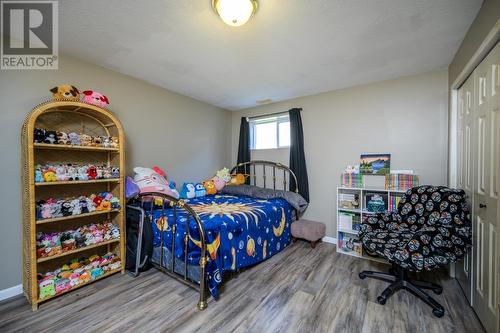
188, 191
209, 186
153, 180
238, 179
200, 190
95, 98
65, 91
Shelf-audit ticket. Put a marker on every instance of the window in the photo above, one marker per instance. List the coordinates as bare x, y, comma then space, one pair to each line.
270, 133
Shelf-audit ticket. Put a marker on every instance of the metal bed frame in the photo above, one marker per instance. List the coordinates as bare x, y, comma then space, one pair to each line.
176, 204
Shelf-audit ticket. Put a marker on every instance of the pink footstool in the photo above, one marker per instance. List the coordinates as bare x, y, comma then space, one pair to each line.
309, 230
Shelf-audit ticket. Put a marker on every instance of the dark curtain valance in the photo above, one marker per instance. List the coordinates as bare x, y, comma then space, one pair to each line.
297, 155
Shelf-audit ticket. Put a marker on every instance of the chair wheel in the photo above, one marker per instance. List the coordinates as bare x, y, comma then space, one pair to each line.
381, 300
438, 291
362, 276
438, 312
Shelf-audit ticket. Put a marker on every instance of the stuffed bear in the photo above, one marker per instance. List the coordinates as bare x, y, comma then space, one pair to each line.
50, 137
62, 138
200, 190
209, 186
85, 140
114, 142
95, 98
92, 172
61, 173
39, 135
74, 138
188, 191
65, 91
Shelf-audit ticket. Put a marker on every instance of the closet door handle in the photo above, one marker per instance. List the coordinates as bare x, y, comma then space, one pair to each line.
482, 205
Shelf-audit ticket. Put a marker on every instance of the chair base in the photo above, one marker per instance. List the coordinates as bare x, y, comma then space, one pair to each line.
398, 279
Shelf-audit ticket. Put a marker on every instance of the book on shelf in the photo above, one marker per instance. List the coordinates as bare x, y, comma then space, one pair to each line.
393, 203
351, 180
401, 182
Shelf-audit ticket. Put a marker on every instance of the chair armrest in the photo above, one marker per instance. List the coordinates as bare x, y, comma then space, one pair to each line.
380, 221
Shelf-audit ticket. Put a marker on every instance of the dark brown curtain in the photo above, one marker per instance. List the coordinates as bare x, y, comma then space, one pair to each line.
297, 155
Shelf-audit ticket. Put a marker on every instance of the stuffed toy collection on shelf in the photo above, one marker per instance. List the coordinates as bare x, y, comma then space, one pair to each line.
41, 135
76, 272
74, 172
70, 92
147, 180
53, 243
52, 208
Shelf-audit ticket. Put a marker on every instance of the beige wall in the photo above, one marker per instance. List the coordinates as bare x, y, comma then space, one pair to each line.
485, 20
186, 137
406, 117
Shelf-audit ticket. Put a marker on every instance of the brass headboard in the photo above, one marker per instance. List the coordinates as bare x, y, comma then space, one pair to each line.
259, 169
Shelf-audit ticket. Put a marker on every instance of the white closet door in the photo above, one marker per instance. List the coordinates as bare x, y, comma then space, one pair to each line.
463, 269
485, 191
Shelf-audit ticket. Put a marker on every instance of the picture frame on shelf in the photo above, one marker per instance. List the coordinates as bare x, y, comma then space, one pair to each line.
375, 164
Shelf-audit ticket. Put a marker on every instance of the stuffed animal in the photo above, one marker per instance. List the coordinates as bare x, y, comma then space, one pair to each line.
114, 142
188, 191
223, 174
99, 172
49, 176
92, 172
38, 174
97, 141
72, 172
200, 190
82, 173
115, 203
106, 172
65, 91
85, 140
50, 137
39, 135
95, 98
47, 288
74, 138
61, 173
209, 186
237, 179
219, 183
106, 141
115, 172
62, 138
76, 209
153, 180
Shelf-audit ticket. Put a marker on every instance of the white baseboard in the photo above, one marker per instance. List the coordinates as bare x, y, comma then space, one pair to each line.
328, 239
11, 292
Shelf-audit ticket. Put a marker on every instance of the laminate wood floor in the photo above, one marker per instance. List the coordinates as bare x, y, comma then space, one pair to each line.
299, 290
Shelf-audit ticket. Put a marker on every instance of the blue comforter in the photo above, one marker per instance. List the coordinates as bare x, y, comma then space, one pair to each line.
240, 231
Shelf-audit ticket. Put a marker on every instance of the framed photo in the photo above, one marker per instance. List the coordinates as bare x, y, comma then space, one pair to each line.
375, 164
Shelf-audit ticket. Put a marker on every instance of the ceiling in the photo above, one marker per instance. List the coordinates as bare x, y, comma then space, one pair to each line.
289, 49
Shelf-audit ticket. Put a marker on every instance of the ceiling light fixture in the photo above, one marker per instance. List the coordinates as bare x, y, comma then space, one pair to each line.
235, 12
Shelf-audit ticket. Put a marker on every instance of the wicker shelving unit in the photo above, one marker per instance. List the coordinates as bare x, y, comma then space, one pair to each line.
68, 116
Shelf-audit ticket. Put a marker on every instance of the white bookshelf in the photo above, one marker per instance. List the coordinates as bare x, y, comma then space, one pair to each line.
359, 213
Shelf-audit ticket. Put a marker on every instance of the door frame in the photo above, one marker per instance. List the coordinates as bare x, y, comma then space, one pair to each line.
483, 50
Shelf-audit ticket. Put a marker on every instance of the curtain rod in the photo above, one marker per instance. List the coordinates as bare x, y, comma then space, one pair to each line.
269, 115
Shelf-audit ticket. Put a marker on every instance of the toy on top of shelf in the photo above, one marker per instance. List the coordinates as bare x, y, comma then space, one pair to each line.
74, 138
115, 172
95, 98
65, 91
85, 140
50, 137
49, 175
61, 173
114, 142
106, 141
62, 138
39, 135
200, 190
209, 186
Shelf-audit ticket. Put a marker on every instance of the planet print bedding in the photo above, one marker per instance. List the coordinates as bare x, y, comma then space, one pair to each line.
240, 231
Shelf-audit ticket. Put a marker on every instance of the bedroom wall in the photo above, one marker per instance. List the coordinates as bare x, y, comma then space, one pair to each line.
185, 137
406, 117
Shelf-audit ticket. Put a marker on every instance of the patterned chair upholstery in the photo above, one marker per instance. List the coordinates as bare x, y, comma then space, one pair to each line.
431, 228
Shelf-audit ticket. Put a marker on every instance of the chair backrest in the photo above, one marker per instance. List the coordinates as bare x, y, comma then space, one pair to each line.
433, 206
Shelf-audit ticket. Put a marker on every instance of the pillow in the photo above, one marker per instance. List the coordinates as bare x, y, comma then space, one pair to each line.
247, 190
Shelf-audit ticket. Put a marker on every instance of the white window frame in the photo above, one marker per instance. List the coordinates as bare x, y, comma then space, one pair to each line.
266, 120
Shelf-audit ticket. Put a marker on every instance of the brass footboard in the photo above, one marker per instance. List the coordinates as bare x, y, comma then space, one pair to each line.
158, 199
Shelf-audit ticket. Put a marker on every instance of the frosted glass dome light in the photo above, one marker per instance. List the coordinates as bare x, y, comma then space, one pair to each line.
235, 12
